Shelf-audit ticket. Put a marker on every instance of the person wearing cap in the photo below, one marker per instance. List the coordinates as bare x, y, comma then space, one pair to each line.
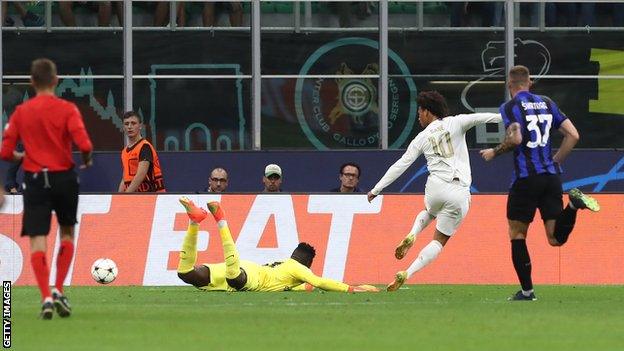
272, 179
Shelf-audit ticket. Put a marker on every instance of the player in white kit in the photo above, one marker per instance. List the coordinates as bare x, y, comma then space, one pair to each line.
447, 191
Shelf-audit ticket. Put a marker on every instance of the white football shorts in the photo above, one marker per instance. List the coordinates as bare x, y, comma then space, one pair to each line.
448, 202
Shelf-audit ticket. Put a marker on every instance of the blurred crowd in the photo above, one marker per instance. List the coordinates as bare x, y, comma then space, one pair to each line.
348, 13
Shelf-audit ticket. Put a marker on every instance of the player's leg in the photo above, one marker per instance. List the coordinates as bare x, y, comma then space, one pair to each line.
559, 228
522, 202
425, 256
521, 259
197, 276
38, 245
64, 258
521, 205
234, 275
434, 202
422, 221
446, 225
455, 201
64, 190
36, 225
550, 204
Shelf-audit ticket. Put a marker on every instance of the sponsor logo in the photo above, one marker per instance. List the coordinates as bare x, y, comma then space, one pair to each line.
354, 240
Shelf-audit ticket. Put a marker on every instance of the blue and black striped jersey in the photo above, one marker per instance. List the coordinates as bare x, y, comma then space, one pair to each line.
538, 116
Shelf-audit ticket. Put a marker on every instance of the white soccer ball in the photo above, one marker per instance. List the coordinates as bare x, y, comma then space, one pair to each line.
104, 270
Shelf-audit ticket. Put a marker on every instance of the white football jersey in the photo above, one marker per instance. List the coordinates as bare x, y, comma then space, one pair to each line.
444, 144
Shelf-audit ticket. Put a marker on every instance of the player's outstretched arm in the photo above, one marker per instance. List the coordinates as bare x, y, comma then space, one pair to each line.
472, 119
398, 168
513, 138
371, 196
307, 276
365, 288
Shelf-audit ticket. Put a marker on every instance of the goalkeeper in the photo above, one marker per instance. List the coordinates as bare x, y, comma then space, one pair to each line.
239, 275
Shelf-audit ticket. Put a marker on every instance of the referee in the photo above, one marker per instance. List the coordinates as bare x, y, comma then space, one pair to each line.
47, 126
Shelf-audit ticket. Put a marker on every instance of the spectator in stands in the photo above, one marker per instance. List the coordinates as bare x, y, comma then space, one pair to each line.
161, 15
618, 14
473, 14
104, 10
212, 10
458, 13
218, 181
349, 178
529, 14
530, 11
272, 178
28, 18
590, 10
344, 10
561, 14
565, 14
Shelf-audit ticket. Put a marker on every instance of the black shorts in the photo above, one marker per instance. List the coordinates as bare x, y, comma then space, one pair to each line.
39, 201
541, 191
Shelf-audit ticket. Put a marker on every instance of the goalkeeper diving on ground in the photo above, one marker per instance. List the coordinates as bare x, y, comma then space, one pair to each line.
239, 275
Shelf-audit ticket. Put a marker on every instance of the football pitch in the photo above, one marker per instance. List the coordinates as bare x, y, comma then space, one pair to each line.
418, 317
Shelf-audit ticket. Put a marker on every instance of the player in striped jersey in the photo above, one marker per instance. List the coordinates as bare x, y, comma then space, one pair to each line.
530, 120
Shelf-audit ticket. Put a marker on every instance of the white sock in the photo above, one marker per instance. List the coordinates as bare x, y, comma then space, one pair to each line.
422, 221
426, 255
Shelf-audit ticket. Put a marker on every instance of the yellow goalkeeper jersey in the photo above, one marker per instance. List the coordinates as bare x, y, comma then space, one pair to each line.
278, 276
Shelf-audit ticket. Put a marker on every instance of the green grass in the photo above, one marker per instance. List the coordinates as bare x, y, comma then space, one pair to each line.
432, 317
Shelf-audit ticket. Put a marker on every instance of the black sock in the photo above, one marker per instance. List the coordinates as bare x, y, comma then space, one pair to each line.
565, 224
522, 263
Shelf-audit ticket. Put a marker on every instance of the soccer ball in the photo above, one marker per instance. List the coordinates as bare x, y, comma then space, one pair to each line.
104, 270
